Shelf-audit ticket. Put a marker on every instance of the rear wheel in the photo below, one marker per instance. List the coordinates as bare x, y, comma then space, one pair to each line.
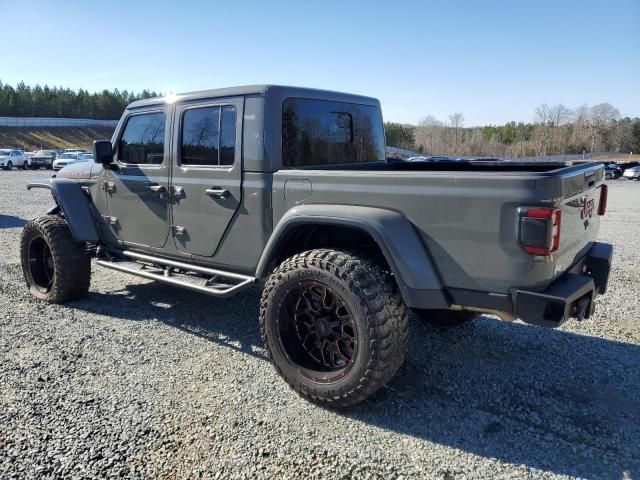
334, 325
607, 176
446, 318
55, 266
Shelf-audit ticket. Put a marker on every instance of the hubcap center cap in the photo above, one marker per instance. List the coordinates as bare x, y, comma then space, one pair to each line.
322, 326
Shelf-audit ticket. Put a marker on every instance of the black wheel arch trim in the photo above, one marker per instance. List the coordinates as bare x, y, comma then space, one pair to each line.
394, 234
75, 205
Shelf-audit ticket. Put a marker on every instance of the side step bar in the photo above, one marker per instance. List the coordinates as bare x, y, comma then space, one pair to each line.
163, 270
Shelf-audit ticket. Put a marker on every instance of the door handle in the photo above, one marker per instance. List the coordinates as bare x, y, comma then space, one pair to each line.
156, 188
217, 192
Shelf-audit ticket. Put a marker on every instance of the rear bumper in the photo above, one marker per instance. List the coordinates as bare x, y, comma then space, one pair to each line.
570, 296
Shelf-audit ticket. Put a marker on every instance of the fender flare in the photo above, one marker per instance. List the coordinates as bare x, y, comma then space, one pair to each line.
75, 206
394, 234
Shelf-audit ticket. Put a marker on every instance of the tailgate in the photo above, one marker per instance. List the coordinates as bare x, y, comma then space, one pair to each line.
580, 219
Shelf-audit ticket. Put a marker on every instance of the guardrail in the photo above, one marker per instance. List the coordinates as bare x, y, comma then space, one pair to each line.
55, 122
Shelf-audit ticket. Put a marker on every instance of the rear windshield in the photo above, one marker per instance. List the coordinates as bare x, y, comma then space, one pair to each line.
319, 132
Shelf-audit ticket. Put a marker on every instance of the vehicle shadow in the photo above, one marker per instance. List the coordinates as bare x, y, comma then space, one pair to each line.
9, 221
536, 398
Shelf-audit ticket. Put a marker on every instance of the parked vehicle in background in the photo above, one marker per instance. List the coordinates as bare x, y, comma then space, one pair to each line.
289, 189
10, 158
632, 173
69, 158
625, 165
612, 171
73, 150
43, 159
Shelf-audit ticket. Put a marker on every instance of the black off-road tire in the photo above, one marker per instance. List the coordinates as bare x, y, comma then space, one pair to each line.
375, 307
446, 318
56, 267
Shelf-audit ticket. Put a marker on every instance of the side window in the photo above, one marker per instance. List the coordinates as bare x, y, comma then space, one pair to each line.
208, 136
142, 141
320, 132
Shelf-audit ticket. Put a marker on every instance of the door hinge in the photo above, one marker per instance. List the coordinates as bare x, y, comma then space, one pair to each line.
178, 231
109, 187
109, 220
177, 192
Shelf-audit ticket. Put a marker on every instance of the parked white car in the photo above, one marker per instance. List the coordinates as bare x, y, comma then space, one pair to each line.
10, 158
631, 173
69, 158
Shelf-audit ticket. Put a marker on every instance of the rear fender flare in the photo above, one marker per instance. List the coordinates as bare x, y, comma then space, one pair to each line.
75, 206
394, 234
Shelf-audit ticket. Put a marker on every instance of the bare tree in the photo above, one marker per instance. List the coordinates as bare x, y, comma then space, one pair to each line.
457, 122
601, 117
427, 134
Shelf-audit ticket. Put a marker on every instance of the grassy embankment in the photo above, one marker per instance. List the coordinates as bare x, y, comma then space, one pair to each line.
36, 138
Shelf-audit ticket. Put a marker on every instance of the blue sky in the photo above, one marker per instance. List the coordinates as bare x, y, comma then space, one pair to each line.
494, 61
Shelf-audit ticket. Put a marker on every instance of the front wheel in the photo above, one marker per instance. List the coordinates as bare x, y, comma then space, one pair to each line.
25, 165
55, 266
9, 165
334, 325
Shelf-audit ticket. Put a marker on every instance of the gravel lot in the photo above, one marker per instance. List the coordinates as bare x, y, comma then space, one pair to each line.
144, 381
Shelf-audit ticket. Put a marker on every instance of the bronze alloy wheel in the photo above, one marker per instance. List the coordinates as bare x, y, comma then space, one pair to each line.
318, 332
334, 325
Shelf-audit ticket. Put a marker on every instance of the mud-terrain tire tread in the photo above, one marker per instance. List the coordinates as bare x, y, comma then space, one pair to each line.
72, 264
386, 317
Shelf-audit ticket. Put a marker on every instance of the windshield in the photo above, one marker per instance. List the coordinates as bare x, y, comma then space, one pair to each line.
44, 153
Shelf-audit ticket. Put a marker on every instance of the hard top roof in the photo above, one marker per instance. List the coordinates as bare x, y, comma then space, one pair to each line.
279, 90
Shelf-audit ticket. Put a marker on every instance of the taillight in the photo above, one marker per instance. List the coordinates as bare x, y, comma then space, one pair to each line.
540, 230
602, 205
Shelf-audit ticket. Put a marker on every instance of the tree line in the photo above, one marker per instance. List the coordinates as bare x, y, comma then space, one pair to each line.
555, 130
44, 101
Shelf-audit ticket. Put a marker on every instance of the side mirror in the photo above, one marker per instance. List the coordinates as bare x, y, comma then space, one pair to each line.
103, 152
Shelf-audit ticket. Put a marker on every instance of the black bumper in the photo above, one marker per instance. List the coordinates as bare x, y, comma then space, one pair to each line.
571, 295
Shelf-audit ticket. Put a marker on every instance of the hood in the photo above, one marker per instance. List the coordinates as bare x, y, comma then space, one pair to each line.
75, 170
2, 157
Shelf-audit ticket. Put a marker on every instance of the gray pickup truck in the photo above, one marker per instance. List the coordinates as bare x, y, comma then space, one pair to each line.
289, 189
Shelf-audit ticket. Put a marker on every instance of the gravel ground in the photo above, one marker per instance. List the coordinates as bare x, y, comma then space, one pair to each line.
143, 381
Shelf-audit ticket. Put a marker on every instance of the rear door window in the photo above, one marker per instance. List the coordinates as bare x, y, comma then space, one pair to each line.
208, 136
319, 132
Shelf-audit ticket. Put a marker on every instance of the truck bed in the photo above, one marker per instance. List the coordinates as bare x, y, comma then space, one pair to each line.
460, 165
467, 213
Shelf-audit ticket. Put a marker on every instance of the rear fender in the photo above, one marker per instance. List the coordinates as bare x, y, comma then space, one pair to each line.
74, 204
394, 234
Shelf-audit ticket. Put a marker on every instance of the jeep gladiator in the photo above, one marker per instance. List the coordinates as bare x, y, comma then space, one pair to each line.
289, 189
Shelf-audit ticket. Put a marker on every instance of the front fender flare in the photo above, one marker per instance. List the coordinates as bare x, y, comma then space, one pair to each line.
394, 234
74, 204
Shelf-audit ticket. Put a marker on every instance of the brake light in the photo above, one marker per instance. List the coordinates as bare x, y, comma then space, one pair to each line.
602, 205
540, 230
